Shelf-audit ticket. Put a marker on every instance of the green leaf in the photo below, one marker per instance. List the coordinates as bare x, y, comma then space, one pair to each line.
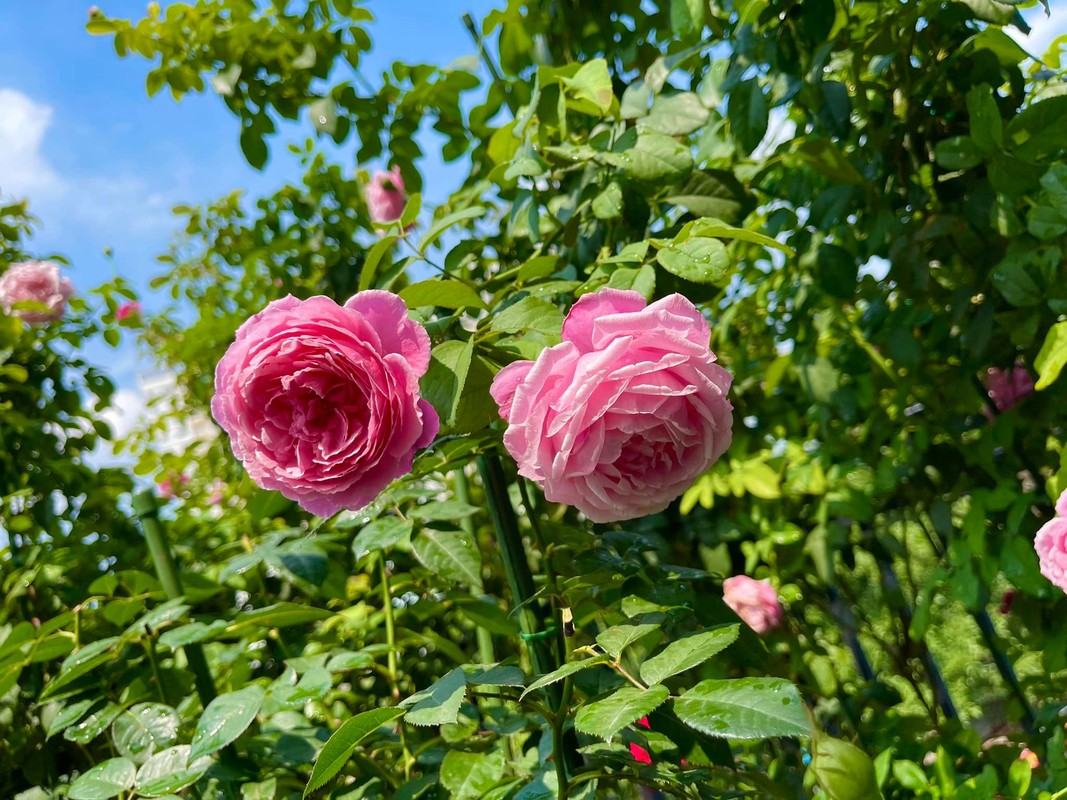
987, 126
443, 224
618, 637
381, 534
281, 615
1045, 223
452, 555
700, 259
826, 158
93, 725
369, 270
1006, 49
1052, 357
687, 18
591, 84
444, 293
443, 510
713, 193
748, 113
495, 675
225, 718
635, 100
253, 147
323, 113
957, 153
843, 771
675, 115
68, 716
169, 771
106, 780
439, 703
457, 386
720, 230
529, 314
745, 708
683, 654
81, 662
340, 746
143, 729
570, 668
608, 204
650, 156
606, 717
469, 776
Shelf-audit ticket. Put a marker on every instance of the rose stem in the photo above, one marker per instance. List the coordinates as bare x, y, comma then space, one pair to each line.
484, 638
534, 623
145, 509
390, 639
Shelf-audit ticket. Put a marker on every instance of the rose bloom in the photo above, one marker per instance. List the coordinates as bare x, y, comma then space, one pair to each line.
756, 602
37, 282
1006, 387
1051, 545
626, 413
128, 310
386, 196
321, 401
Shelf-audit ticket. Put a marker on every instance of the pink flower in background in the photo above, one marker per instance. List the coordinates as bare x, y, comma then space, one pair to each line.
37, 282
169, 486
756, 602
1007, 600
321, 401
1030, 757
1051, 545
128, 310
1006, 387
386, 196
216, 497
626, 413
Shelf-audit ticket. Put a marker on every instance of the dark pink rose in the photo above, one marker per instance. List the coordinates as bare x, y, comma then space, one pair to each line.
1007, 600
386, 196
39, 285
626, 413
128, 311
321, 401
1051, 545
756, 602
1006, 387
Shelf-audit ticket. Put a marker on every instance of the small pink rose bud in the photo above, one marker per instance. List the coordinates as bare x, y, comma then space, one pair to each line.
756, 602
93, 11
386, 196
1030, 757
128, 311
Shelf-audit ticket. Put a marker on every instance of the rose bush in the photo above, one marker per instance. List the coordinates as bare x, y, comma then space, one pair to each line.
321, 401
38, 285
622, 416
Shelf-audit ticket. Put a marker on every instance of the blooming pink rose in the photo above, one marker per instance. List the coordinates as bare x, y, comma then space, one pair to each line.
1006, 387
39, 283
1051, 545
128, 310
321, 401
756, 602
386, 196
626, 413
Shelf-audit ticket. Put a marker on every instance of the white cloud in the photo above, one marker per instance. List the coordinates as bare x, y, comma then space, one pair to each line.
24, 171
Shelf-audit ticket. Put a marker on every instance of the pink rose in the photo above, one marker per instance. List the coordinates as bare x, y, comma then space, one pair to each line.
38, 283
626, 413
1051, 545
128, 310
386, 196
321, 401
756, 602
1006, 387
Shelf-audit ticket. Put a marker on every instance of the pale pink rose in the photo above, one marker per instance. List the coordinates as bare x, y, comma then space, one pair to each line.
621, 417
216, 497
756, 602
39, 283
321, 401
1006, 387
169, 486
386, 196
1030, 757
1051, 545
128, 310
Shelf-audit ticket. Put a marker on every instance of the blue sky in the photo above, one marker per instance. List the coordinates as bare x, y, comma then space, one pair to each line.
102, 164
